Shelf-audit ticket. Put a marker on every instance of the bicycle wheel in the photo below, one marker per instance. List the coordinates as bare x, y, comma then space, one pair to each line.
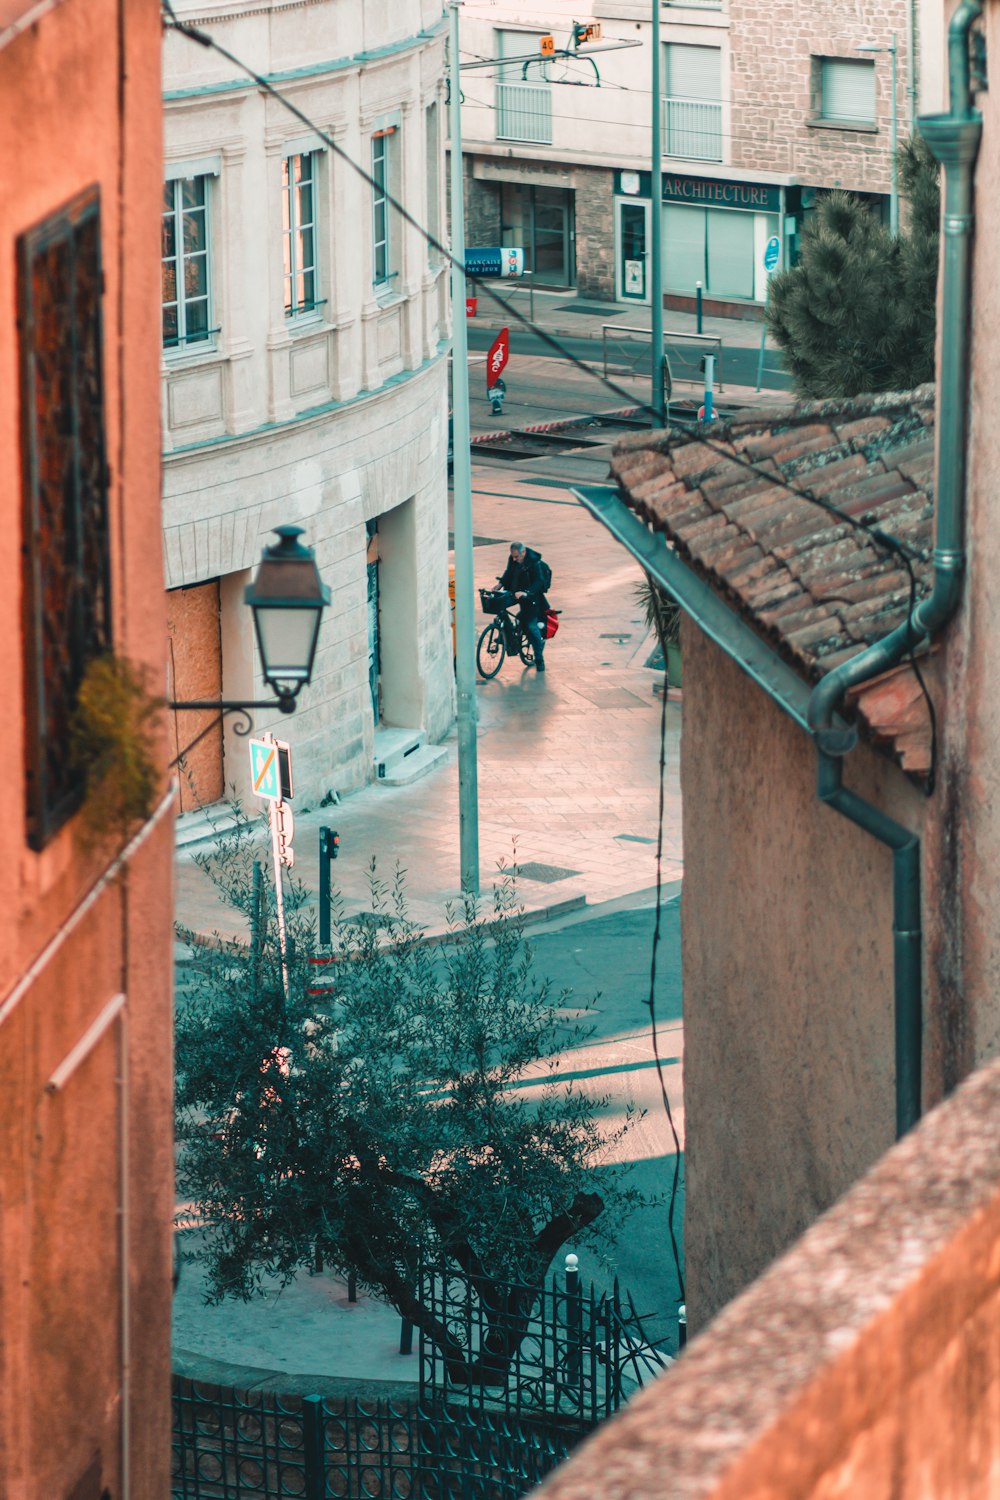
490, 651
527, 650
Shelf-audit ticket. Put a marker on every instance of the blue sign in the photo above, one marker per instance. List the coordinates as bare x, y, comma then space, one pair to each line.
264, 773
772, 253
495, 260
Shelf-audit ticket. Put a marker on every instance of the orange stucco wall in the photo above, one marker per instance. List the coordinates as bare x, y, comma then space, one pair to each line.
788, 978
864, 1365
964, 927
80, 92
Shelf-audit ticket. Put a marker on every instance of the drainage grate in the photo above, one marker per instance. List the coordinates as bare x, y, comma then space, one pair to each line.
545, 874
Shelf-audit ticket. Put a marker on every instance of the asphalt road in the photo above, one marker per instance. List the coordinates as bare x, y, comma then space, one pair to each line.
739, 365
605, 962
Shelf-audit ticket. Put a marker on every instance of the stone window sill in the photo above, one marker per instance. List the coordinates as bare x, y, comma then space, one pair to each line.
858, 127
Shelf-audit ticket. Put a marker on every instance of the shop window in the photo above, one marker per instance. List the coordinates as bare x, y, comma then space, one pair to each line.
66, 550
845, 90
186, 268
714, 246
524, 93
298, 222
692, 102
385, 173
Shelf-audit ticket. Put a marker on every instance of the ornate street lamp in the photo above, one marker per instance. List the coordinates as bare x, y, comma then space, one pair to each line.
287, 598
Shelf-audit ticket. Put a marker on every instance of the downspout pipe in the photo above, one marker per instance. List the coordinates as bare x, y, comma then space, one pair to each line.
906, 930
954, 140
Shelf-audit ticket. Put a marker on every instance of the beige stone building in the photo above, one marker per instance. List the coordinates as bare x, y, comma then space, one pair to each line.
762, 108
305, 328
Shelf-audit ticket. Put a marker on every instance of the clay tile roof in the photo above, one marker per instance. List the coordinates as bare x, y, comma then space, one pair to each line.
814, 585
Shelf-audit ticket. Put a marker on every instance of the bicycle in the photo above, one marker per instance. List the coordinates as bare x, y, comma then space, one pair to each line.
504, 636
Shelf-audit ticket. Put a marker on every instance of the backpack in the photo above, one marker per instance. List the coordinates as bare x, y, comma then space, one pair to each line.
544, 571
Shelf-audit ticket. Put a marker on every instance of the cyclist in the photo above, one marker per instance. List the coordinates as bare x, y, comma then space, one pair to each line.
522, 579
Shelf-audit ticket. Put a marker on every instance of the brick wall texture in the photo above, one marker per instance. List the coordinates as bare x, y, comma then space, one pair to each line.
774, 93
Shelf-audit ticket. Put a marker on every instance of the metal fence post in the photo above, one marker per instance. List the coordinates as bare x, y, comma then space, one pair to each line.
314, 1448
573, 1317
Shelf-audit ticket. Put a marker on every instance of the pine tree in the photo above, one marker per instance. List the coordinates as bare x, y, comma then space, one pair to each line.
858, 311
383, 1123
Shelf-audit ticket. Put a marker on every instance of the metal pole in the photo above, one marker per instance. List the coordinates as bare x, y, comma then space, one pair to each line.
894, 144
911, 61
465, 666
658, 401
709, 386
697, 304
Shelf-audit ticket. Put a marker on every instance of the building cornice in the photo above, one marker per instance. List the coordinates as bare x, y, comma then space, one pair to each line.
309, 71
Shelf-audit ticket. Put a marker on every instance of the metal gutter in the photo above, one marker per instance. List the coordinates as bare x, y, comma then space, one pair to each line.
710, 613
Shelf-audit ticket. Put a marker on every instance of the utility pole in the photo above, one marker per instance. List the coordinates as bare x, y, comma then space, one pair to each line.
893, 51
465, 665
658, 403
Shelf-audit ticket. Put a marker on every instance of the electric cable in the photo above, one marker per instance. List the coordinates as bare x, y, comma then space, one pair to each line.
877, 536
651, 1002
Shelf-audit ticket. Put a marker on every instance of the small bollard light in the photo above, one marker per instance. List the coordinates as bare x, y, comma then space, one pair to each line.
682, 1325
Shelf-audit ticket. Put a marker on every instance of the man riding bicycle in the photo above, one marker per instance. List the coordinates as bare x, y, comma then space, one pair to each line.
522, 578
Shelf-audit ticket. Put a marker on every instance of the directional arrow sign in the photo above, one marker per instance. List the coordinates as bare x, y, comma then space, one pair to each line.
264, 776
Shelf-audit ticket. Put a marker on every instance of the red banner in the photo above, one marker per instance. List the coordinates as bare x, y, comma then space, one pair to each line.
497, 358
471, 306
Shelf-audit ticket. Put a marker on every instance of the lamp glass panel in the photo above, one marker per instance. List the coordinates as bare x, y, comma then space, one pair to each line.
287, 639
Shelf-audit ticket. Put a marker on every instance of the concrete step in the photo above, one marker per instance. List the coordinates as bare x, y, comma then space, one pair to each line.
415, 765
392, 747
203, 825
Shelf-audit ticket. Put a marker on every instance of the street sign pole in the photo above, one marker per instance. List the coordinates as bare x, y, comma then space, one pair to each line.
279, 894
772, 259
465, 665
659, 400
270, 777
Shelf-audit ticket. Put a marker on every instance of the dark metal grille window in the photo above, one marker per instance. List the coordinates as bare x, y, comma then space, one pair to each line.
65, 549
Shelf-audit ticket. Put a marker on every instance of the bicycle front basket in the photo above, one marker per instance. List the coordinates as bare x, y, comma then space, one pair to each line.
491, 600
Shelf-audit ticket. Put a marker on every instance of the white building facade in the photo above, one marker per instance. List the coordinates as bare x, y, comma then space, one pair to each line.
761, 108
305, 329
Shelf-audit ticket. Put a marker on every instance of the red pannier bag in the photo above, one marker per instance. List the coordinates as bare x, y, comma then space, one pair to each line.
551, 623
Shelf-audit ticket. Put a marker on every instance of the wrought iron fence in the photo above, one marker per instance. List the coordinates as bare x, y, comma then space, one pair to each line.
526, 1374
560, 1349
256, 1445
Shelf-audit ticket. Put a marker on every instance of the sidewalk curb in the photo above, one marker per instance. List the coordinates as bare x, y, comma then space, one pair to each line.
527, 918
204, 1370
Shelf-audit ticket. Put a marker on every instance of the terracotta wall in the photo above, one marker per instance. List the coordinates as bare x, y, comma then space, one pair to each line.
788, 979
865, 1363
85, 1163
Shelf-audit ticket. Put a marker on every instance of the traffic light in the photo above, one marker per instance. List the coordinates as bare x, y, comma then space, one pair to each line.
586, 31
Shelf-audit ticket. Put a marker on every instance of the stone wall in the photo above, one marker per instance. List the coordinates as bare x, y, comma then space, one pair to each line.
866, 1362
595, 234
774, 61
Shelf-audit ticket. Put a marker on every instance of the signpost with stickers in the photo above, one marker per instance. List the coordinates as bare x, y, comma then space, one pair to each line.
271, 780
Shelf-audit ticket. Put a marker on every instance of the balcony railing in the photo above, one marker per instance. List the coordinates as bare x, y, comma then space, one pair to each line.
524, 113
692, 128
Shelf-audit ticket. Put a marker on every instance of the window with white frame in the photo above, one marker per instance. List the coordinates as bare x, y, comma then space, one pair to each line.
692, 102
298, 219
846, 90
385, 156
186, 262
524, 93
